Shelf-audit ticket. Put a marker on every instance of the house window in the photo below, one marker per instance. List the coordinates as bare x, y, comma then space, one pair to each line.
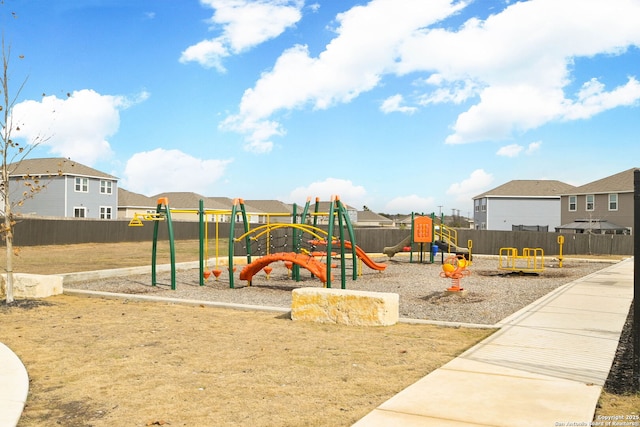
106, 187
79, 212
483, 205
573, 203
82, 185
613, 202
590, 199
105, 212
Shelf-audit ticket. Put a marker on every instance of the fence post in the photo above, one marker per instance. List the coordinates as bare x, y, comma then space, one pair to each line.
636, 279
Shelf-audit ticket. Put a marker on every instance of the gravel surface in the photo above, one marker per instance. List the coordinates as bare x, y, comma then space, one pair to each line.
491, 294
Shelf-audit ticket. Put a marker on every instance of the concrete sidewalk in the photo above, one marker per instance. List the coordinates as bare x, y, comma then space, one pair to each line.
14, 387
546, 366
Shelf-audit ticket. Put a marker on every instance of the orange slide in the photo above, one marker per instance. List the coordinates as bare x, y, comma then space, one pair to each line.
359, 253
316, 267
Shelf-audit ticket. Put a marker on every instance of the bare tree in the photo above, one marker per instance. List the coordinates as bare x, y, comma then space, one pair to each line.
12, 154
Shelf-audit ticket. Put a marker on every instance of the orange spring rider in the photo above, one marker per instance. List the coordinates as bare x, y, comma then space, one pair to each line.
454, 268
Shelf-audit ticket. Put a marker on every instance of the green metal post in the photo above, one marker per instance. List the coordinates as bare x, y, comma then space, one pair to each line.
295, 268
154, 248
316, 209
172, 248
352, 238
329, 241
247, 239
303, 221
305, 212
232, 232
343, 266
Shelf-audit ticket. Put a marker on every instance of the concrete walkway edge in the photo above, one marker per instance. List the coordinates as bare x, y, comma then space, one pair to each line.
546, 366
14, 388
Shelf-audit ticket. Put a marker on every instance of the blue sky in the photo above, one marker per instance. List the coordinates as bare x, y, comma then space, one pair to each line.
399, 105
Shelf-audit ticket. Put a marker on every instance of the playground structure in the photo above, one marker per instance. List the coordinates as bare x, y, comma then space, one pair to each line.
163, 214
531, 260
430, 235
455, 268
298, 257
306, 257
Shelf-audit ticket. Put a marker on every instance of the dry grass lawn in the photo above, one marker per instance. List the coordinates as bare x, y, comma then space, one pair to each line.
114, 363
61, 259
97, 362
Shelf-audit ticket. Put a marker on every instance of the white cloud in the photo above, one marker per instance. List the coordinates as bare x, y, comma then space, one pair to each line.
520, 60
593, 99
77, 127
470, 187
245, 24
512, 150
209, 53
259, 132
408, 204
533, 147
349, 193
394, 104
160, 170
515, 65
352, 63
503, 110
455, 92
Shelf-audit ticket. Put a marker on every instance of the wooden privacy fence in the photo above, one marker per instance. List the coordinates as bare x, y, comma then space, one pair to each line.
40, 231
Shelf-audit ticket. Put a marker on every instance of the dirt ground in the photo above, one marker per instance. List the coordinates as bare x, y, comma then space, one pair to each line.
96, 362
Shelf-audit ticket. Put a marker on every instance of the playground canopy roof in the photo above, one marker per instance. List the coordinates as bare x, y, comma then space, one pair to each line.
597, 226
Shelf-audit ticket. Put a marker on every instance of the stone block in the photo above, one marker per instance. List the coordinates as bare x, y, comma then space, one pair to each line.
346, 307
32, 285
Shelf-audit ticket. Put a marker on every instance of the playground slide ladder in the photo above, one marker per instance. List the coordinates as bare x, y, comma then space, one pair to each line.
446, 234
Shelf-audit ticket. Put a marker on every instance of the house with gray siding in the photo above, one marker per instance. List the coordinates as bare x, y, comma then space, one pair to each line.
604, 206
520, 205
63, 188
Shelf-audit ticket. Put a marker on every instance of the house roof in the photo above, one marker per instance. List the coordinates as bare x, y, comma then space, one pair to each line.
621, 182
190, 200
270, 206
529, 188
370, 216
130, 199
324, 206
54, 166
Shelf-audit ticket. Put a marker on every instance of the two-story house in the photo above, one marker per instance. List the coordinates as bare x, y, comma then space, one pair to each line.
60, 187
604, 206
520, 205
